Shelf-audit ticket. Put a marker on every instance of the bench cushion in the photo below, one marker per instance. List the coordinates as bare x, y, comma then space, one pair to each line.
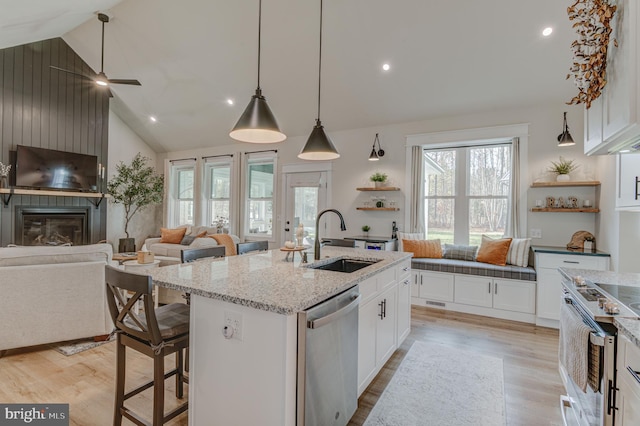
475, 268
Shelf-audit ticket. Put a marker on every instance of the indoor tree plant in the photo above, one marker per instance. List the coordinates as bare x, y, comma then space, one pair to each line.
562, 168
378, 179
135, 186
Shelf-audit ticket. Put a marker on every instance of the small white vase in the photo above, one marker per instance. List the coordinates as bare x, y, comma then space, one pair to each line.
379, 184
563, 178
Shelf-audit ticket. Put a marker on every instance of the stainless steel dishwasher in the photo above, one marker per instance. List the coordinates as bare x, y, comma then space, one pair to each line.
328, 361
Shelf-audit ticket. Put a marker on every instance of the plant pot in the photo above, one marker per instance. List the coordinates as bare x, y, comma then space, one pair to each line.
126, 245
563, 178
4, 182
379, 184
379, 204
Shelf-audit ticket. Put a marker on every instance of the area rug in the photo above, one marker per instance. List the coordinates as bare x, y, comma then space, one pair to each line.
438, 385
73, 347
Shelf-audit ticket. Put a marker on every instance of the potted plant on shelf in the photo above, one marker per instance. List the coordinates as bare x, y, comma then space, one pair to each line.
378, 179
135, 186
562, 168
365, 230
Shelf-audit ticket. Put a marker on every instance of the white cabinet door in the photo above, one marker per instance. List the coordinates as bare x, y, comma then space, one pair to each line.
386, 326
436, 286
627, 186
517, 296
368, 319
415, 283
628, 398
473, 291
404, 308
593, 128
549, 291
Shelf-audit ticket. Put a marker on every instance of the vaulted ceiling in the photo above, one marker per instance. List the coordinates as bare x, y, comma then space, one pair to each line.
446, 58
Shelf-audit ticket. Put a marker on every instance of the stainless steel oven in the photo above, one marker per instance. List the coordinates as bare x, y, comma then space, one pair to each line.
595, 406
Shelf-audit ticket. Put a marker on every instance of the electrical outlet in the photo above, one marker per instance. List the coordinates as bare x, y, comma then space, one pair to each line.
535, 233
234, 320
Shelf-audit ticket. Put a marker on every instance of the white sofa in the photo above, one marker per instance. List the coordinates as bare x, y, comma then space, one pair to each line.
52, 294
173, 250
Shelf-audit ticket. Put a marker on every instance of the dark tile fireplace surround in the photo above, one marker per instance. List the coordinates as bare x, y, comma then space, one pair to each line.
52, 226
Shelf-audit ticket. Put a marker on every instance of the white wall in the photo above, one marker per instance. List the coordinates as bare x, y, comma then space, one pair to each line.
353, 169
124, 144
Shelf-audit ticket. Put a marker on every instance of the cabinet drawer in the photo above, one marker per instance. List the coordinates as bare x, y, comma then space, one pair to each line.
386, 278
404, 269
631, 356
546, 260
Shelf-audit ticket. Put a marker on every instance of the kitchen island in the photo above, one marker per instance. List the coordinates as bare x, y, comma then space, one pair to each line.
250, 378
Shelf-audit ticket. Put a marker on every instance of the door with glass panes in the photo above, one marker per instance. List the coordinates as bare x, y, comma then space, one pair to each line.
305, 197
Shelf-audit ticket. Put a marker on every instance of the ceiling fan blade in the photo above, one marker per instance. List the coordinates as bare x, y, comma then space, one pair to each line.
71, 72
121, 81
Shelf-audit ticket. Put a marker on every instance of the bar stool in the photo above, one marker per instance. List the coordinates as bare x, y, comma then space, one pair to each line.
243, 248
155, 333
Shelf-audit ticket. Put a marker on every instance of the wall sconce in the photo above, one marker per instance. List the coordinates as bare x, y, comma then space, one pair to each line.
564, 138
375, 155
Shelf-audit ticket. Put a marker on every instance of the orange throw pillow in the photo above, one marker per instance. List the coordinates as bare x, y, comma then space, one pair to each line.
226, 241
423, 248
493, 251
173, 236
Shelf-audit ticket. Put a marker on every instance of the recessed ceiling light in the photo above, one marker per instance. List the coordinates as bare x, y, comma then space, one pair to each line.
547, 31
230, 101
152, 118
386, 67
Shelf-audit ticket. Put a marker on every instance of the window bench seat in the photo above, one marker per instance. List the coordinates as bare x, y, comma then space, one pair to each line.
507, 292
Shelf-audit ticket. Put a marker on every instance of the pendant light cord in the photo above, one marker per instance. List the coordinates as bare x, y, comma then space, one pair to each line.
102, 51
259, 37
320, 62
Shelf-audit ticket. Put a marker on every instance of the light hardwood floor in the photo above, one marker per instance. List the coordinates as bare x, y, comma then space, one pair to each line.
85, 380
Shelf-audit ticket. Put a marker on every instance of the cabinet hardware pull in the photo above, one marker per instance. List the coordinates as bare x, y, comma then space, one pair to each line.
406, 268
571, 261
637, 187
406, 282
381, 314
415, 281
420, 279
489, 286
495, 288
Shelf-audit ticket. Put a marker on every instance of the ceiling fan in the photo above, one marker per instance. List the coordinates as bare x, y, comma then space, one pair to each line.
101, 79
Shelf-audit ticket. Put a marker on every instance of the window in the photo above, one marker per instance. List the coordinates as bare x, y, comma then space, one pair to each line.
260, 183
467, 192
218, 189
181, 193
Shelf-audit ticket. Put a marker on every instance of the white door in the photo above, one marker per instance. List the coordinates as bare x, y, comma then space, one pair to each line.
305, 197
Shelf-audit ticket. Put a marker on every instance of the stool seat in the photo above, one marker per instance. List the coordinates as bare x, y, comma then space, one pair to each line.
173, 320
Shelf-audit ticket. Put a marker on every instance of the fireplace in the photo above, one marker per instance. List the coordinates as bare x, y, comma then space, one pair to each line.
44, 226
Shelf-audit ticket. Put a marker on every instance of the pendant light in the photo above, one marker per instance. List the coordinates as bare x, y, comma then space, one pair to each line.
564, 138
319, 146
375, 155
257, 124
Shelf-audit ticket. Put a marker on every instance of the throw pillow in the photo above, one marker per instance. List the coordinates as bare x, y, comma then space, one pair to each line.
226, 241
459, 252
518, 251
493, 251
408, 236
187, 239
172, 236
424, 248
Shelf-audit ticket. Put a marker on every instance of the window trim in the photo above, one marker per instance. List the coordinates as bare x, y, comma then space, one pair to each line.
264, 157
210, 163
174, 167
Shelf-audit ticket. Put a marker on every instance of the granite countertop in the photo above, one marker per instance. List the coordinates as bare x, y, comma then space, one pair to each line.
564, 250
628, 327
371, 239
266, 281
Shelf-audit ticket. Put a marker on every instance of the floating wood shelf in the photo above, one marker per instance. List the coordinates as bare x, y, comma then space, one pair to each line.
567, 183
387, 209
94, 197
559, 210
382, 188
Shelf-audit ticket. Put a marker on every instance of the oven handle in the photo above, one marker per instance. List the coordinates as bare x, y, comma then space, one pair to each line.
598, 334
634, 374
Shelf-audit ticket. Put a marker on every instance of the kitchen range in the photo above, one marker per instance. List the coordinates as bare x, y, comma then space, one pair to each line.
592, 302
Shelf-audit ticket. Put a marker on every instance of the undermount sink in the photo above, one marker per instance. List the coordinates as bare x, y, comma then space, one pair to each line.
345, 265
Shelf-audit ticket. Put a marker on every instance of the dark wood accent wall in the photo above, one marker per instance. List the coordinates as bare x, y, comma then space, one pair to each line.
51, 109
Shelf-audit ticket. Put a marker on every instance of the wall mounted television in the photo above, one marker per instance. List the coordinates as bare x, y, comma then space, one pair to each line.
50, 169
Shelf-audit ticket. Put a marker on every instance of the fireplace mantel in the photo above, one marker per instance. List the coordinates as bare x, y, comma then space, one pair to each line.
89, 195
